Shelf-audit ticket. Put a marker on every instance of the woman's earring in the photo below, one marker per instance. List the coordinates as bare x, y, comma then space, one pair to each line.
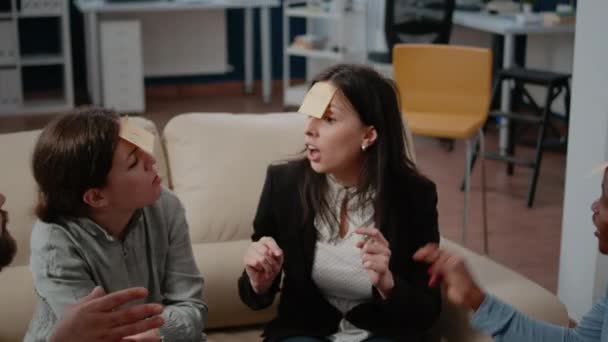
363, 147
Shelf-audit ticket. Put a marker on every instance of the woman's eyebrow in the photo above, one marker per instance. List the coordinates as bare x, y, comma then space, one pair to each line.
131, 153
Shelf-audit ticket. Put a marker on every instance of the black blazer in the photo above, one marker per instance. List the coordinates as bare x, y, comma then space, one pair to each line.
410, 222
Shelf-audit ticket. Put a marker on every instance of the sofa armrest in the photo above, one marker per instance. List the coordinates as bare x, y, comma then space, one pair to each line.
221, 264
505, 284
18, 301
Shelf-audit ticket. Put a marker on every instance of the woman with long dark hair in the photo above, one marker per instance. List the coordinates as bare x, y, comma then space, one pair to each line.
336, 229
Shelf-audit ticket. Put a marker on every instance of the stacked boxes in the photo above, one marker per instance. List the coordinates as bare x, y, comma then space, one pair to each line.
8, 46
10, 88
122, 66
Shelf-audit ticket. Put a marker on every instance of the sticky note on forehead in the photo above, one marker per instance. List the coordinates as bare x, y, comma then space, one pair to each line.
136, 136
317, 99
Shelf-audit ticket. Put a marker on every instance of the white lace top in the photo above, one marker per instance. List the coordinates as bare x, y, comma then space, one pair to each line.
337, 268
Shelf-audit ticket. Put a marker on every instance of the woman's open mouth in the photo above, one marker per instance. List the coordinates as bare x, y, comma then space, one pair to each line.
313, 153
156, 180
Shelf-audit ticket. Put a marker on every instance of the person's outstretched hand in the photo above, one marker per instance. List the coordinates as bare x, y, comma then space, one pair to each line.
101, 317
449, 270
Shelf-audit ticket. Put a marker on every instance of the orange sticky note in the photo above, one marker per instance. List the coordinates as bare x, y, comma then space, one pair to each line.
136, 136
317, 99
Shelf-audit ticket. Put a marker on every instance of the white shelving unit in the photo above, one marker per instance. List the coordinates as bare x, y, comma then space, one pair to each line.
335, 23
16, 60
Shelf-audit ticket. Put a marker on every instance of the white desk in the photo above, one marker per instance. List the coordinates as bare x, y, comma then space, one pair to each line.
92, 8
508, 28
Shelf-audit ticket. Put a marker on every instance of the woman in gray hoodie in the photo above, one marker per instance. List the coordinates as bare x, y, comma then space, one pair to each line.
104, 220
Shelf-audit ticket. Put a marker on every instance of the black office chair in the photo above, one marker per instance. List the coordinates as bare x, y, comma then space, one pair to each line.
415, 21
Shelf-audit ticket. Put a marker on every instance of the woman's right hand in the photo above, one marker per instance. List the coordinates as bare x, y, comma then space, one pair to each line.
451, 271
263, 261
107, 317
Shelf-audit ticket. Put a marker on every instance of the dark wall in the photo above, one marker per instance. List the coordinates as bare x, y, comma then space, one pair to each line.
235, 39
549, 5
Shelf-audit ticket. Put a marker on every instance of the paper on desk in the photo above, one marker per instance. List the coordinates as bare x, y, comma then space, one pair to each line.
136, 136
317, 99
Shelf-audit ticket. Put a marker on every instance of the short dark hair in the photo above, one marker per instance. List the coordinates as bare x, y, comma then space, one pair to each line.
386, 164
73, 154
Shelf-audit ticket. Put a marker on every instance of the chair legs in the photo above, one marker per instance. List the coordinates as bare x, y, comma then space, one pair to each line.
467, 188
510, 151
471, 145
484, 211
542, 122
539, 148
473, 161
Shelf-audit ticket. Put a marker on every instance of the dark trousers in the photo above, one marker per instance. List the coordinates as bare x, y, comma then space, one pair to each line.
314, 339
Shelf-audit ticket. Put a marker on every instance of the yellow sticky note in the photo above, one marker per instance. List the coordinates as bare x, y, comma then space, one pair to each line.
136, 136
317, 99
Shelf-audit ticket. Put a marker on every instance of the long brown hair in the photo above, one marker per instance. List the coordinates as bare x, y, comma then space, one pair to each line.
73, 154
385, 163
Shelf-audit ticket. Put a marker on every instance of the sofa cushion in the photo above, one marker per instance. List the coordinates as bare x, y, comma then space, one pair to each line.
505, 284
218, 164
221, 264
17, 182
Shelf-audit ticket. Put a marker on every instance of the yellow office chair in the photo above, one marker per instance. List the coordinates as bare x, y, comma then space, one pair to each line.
445, 93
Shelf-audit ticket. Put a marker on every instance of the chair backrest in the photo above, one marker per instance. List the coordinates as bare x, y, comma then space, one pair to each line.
438, 78
418, 21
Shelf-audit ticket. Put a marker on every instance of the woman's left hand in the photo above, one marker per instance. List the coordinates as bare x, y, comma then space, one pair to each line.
375, 257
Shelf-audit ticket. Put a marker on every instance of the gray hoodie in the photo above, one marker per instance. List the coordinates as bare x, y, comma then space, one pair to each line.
69, 259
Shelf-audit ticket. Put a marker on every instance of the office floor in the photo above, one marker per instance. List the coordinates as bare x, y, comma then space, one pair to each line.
526, 240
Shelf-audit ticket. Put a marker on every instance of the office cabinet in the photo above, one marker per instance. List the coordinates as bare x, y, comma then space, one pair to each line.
122, 70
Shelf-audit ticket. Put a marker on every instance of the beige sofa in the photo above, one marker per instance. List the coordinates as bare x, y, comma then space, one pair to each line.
216, 165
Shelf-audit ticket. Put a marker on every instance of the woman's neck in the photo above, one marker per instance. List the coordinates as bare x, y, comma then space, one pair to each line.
348, 175
346, 179
113, 221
